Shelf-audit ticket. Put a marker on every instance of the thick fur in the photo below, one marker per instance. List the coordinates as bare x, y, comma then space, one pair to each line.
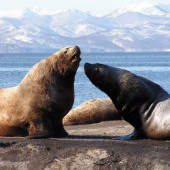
92, 111
37, 105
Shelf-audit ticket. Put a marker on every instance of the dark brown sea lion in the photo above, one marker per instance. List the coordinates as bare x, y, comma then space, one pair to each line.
141, 102
37, 105
92, 111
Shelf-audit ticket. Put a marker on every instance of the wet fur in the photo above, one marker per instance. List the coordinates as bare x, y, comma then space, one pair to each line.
141, 102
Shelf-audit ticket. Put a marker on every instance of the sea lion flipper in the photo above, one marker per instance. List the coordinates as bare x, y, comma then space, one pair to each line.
38, 130
39, 135
135, 135
59, 131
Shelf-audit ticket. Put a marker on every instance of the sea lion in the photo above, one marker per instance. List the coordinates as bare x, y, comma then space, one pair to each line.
92, 111
141, 102
46, 94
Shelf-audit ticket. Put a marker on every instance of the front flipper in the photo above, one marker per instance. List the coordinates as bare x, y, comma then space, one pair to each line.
38, 131
135, 135
39, 135
59, 131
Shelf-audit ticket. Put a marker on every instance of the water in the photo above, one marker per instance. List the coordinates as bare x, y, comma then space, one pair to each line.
154, 66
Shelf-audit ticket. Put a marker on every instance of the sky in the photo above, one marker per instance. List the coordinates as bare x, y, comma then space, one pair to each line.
94, 6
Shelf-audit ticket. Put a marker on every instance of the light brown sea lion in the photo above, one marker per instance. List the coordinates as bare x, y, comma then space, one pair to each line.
92, 111
37, 105
141, 102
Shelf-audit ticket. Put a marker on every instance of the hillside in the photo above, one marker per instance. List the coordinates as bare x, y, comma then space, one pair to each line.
134, 28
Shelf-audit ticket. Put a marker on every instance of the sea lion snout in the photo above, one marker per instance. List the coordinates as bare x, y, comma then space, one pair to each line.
91, 68
91, 71
76, 52
87, 68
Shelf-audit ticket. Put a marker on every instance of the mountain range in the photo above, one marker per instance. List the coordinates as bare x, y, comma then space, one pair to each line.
141, 27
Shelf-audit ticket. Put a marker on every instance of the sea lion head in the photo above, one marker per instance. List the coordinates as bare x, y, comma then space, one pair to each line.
99, 75
66, 61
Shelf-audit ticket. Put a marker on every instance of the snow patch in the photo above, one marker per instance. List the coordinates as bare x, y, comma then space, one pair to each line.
16, 13
41, 11
144, 7
1, 21
81, 28
23, 38
127, 38
117, 42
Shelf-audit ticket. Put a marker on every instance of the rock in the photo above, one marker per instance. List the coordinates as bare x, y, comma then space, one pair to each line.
87, 147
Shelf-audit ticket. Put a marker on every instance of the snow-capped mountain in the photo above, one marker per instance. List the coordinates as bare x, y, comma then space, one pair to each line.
138, 27
144, 7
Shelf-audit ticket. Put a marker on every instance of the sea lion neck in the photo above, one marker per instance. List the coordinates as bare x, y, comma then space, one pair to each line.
65, 67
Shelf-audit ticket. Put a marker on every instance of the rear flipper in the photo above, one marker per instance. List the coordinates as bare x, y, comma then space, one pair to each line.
135, 135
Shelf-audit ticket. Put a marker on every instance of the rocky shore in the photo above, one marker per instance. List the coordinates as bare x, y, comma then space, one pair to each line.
87, 147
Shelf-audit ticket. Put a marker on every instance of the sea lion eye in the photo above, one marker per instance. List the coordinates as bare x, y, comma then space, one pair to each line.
65, 52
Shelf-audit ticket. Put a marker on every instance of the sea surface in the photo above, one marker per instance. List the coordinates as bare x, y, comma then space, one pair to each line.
153, 66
